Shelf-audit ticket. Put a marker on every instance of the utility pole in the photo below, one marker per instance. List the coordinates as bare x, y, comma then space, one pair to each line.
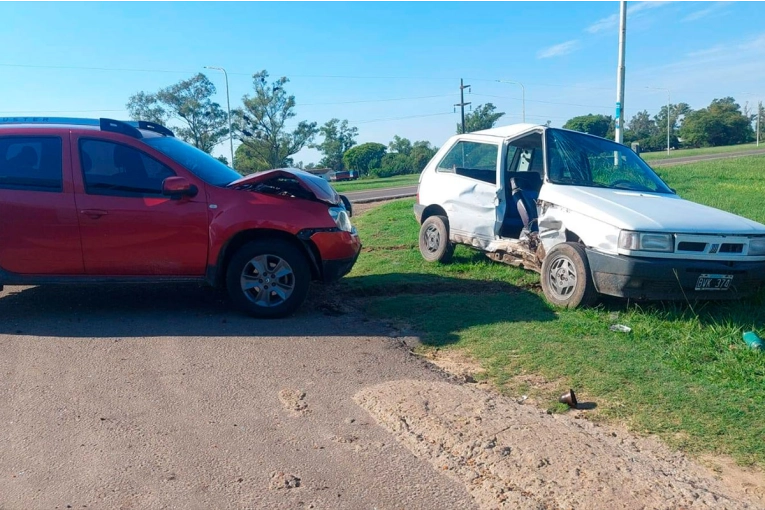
759, 110
462, 104
228, 107
619, 133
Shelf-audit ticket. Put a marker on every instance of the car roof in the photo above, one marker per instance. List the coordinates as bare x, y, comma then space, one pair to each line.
136, 129
508, 131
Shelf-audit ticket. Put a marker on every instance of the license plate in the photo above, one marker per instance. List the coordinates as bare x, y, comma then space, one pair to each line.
714, 282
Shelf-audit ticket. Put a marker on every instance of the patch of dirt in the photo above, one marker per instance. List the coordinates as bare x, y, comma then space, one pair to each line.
293, 400
456, 363
518, 456
281, 480
749, 480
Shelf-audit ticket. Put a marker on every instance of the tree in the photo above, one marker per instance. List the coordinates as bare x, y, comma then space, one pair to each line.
483, 117
721, 123
400, 145
640, 127
204, 124
598, 125
338, 138
261, 124
222, 159
422, 153
143, 106
364, 157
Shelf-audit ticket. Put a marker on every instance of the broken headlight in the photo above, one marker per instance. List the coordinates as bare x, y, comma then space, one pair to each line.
644, 241
340, 215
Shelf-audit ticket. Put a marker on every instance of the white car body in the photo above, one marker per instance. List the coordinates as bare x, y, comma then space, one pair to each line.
697, 241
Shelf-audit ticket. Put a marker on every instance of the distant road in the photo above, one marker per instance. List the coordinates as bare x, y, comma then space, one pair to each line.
374, 195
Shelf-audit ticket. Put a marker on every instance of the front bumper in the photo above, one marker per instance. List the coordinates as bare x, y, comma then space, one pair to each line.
337, 251
646, 278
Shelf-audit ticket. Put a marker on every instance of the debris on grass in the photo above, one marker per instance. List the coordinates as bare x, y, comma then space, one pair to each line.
754, 341
620, 328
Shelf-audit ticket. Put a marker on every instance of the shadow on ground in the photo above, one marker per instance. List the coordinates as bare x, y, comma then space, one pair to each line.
192, 310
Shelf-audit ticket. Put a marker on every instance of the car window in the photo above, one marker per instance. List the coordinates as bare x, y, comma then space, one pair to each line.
114, 169
526, 155
32, 163
472, 159
584, 160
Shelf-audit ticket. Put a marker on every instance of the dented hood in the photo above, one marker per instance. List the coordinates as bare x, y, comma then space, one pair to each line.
311, 183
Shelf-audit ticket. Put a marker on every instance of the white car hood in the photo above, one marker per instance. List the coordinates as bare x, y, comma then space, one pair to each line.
654, 212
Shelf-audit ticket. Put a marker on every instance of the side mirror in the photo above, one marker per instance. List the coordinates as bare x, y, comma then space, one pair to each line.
178, 187
347, 205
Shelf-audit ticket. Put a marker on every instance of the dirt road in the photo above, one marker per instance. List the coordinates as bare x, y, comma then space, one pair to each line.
160, 397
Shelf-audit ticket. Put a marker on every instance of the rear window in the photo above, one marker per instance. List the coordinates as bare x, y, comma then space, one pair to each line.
30, 163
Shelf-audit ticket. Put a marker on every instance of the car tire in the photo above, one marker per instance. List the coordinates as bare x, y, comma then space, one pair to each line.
434, 240
566, 278
268, 278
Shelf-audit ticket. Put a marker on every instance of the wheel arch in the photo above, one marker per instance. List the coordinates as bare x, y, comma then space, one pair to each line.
216, 272
432, 210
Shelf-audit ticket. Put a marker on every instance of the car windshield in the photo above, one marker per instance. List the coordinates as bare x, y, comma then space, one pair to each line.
196, 161
584, 160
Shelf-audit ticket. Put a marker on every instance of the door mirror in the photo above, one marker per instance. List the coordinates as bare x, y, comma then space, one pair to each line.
178, 187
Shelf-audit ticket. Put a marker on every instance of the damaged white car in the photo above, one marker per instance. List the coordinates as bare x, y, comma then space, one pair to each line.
587, 213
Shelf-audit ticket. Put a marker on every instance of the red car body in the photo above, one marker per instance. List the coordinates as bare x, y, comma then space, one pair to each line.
68, 234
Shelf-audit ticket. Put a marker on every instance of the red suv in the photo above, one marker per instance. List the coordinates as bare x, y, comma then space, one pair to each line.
114, 202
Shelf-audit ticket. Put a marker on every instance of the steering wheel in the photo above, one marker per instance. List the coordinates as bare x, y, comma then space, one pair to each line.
621, 181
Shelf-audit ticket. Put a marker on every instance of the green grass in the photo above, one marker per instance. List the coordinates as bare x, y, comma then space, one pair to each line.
375, 183
682, 373
682, 153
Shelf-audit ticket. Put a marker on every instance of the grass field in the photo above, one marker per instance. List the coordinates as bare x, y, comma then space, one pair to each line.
683, 372
682, 153
365, 184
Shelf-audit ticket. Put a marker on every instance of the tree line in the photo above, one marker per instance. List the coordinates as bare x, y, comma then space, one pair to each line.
260, 124
723, 122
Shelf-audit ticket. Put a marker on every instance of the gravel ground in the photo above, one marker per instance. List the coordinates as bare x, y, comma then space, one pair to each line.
161, 397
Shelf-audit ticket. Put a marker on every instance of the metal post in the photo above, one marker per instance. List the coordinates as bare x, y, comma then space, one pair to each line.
462, 104
668, 101
228, 107
759, 109
523, 97
619, 132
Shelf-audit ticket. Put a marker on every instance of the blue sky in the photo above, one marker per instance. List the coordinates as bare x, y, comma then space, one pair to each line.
389, 68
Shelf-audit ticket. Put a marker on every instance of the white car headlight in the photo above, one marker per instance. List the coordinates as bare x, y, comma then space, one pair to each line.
341, 218
643, 241
757, 246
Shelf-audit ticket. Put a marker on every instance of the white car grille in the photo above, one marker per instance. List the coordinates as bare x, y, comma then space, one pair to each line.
712, 246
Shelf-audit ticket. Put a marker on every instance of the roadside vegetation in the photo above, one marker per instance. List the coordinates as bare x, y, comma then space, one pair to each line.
683, 153
377, 183
683, 372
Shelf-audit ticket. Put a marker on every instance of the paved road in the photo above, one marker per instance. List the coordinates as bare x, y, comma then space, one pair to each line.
361, 197
160, 397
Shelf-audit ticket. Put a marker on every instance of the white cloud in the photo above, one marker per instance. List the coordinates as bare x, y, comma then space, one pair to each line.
611, 22
714, 50
559, 49
703, 13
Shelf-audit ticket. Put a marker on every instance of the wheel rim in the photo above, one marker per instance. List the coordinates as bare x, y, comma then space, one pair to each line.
268, 280
562, 278
432, 239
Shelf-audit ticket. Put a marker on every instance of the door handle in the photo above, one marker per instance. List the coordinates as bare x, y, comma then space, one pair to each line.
93, 213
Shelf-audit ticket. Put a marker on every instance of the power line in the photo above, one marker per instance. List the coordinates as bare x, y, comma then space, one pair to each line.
399, 118
375, 100
547, 102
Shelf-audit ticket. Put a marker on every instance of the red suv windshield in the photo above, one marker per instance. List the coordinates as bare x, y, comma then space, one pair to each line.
194, 160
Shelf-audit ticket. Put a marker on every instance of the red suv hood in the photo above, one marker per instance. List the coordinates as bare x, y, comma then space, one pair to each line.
312, 183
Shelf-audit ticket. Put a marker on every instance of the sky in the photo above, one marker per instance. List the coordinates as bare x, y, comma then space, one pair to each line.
388, 68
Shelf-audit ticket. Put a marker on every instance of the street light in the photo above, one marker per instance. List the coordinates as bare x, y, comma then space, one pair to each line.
228, 107
523, 95
668, 101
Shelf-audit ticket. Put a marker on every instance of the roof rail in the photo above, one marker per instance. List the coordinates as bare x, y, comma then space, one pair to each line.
152, 126
49, 120
117, 126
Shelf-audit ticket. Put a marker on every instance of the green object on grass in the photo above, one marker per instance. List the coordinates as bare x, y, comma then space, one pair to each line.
754, 341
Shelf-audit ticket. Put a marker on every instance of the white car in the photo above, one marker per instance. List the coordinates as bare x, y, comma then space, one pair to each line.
587, 213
